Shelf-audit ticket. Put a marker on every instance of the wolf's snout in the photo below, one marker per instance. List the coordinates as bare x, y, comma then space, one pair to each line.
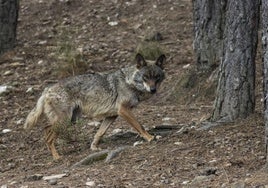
153, 90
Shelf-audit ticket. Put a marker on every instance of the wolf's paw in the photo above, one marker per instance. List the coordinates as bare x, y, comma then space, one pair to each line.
95, 148
150, 138
154, 138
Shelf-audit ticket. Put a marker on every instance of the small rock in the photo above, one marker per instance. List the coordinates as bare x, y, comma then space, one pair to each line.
114, 23
52, 181
165, 181
185, 182
158, 137
231, 48
3, 186
178, 143
90, 184
7, 73
137, 143
186, 66
42, 42
116, 131
168, 119
213, 161
80, 50
4, 131
19, 122
58, 176
29, 90
94, 123
137, 26
4, 89
195, 166
40, 62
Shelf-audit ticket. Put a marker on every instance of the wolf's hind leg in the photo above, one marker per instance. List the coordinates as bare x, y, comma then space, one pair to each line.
58, 112
50, 137
103, 128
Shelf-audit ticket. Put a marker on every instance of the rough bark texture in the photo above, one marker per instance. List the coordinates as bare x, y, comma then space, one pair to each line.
235, 97
8, 24
264, 14
209, 21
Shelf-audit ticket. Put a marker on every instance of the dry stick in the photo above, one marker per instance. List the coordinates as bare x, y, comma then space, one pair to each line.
92, 158
159, 127
113, 153
106, 155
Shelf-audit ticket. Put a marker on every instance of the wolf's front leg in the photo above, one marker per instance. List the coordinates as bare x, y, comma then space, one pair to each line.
129, 117
103, 128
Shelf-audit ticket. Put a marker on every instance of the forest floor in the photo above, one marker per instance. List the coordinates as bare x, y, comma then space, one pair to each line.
57, 38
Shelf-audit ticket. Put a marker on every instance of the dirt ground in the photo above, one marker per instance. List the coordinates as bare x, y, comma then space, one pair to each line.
99, 35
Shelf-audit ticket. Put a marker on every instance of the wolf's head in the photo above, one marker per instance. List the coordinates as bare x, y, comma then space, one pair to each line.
148, 75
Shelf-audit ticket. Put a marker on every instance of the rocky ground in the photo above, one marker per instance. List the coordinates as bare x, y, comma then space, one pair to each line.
59, 38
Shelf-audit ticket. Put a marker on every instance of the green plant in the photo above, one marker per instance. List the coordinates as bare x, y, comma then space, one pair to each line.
69, 60
70, 132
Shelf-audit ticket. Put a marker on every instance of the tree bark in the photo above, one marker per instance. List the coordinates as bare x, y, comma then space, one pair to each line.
235, 97
8, 24
209, 22
264, 25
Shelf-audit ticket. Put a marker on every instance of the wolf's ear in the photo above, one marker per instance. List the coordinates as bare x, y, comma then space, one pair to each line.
140, 61
161, 61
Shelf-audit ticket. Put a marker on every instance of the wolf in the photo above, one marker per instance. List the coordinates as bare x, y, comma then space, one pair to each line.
104, 96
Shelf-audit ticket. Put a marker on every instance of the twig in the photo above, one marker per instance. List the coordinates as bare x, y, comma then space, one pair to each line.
112, 154
158, 127
101, 155
106, 155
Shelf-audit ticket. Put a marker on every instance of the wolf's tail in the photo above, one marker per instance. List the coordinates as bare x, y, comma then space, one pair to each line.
34, 115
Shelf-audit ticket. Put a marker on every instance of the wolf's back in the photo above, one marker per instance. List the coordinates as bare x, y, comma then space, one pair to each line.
34, 115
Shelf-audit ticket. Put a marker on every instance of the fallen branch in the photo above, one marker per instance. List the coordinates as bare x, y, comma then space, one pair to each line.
169, 127
101, 155
106, 155
113, 153
206, 125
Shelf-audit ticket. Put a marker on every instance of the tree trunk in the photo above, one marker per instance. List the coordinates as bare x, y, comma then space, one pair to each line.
209, 22
235, 97
264, 14
8, 24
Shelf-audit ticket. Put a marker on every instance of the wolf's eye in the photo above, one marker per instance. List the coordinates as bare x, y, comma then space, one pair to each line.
157, 79
145, 78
